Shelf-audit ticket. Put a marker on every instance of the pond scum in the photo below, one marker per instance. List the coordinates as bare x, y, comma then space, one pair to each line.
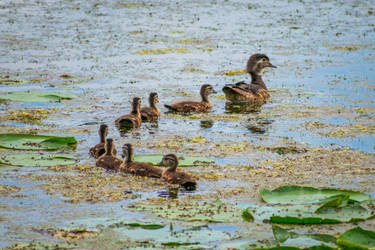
294, 173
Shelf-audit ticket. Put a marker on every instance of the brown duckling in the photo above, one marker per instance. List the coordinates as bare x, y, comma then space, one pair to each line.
152, 113
133, 119
137, 168
176, 177
109, 160
257, 90
98, 150
194, 106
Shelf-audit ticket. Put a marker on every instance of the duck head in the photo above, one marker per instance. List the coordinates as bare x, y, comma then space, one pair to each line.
169, 161
206, 89
257, 63
109, 147
153, 99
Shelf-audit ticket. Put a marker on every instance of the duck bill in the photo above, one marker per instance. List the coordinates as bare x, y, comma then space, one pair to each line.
160, 164
271, 65
214, 91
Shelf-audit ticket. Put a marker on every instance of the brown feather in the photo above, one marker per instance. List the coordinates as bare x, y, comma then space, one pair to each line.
108, 160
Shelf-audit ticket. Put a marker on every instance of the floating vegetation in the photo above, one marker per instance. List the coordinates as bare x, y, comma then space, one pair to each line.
7, 80
315, 125
233, 72
28, 115
136, 225
191, 41
282, 150
163, 51
36, 160
131, 5
357, 238
5, 190
68, 235
216, 211
193, 70
35, 142
36, 96
351, 47
93, 185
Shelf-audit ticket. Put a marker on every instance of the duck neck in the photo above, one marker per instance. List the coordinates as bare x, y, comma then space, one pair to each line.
257, 80
108, 149
136, 111
173, 168
204, 97
130, 154
102, 136
154, 105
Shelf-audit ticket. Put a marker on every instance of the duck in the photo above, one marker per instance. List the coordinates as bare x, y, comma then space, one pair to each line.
137, 168
172, 176
98, 150
256, 91
194, 106
109, 160
152, 113
133, 119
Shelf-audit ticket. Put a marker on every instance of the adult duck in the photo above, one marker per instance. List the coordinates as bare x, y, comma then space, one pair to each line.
256, 91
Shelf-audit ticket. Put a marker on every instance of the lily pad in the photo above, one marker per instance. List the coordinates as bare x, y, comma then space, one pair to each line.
11, 80
357, 238
282, 235
190, 211
306, 214
36, 159
35, 142
136, 224
307, 195
36, 96
183, 161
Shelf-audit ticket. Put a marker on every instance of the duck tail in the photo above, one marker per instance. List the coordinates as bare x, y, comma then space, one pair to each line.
170, 107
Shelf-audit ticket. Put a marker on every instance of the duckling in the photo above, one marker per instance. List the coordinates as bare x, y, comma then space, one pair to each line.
109, 160
257, 90
152, 113
194, 106
137, 168
98, 150
133, 119
176, 177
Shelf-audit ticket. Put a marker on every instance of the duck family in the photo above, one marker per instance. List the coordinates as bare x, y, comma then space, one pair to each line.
105, 152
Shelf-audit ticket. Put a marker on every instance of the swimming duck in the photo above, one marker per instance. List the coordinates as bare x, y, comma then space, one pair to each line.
137, 168
257, 90
98, 150
133, 119
176, 177
109, 160
152, 113
194, 106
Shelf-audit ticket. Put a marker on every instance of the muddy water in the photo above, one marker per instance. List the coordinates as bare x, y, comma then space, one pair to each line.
322, 94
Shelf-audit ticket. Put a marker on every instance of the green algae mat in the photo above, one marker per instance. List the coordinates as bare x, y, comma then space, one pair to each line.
36, 96
35, 142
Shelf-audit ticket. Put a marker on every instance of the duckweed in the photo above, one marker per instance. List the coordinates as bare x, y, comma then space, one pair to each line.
6, 190
28, 115
163, 51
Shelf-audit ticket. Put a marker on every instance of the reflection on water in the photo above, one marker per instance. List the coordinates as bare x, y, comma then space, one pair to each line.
259, 125
174, 192
243, 107
207, 123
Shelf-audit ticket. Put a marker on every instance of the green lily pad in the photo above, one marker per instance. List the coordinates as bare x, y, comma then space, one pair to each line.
36, 96
183, 161
282, 235
136, 224
305, 214
36, 160
307, 195
357, 238
334, 201
190, 211
11, 81
35, 142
